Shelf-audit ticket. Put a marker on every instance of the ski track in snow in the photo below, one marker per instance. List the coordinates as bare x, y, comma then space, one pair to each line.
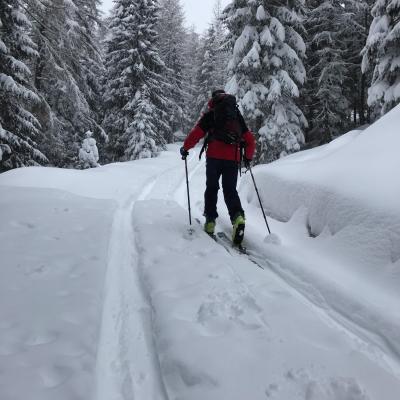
180, 195
371, 343
126, 339
128, 365
128, 362
127, 368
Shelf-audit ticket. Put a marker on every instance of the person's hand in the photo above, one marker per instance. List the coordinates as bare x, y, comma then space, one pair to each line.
246, 162
184, 153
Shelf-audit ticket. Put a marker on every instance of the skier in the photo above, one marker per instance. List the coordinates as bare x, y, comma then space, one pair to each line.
226, 135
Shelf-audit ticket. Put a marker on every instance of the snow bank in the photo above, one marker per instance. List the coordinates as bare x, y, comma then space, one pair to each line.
341, 240
113, 181
349, 187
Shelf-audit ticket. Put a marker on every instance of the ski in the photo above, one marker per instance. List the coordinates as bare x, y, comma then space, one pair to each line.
222, 239
212, 236
231, 248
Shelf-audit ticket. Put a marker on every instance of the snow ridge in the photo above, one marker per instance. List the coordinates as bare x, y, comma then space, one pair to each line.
125, 344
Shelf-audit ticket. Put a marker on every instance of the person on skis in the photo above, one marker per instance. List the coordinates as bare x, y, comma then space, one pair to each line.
226, 136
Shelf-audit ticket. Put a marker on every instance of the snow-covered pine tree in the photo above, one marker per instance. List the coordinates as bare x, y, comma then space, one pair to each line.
19, 128
93, 65
337, 31
63, 30
328, 107
357, 22
212, 71
191, 53
89, 153
135, 97
221, 41
171, 34
206, 76
382, 55
267, 70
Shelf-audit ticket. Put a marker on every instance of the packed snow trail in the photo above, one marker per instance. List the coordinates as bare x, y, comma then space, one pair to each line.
127, 366
225, 329
127, 363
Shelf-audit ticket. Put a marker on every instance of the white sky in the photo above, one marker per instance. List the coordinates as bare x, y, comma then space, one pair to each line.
198, 12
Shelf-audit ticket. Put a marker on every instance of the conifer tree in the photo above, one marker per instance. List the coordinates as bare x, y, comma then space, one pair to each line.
92, 64
171, 32
328, 107
207, 79
63, 74
19, 128
136, 116
334, 95
381, 55
267, 70
192, 61
358, 16
221, 46
89, 153
212, 71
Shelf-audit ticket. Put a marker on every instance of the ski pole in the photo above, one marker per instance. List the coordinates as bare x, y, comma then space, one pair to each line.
188, 193
259, 199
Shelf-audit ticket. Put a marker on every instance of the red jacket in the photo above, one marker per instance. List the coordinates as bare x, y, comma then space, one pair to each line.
216, 148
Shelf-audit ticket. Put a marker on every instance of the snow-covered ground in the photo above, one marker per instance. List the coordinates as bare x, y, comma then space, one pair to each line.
105, 295
346, 195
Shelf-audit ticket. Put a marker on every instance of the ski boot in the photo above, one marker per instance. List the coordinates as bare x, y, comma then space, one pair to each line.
209, 226
238, 230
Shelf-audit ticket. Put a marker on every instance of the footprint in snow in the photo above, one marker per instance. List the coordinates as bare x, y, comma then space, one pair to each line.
35, 271
40, 337
189, 375
272, 389
53, 376
22, 224
223, 312
336, 389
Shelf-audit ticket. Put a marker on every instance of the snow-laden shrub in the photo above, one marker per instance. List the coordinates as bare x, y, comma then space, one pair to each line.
88, 153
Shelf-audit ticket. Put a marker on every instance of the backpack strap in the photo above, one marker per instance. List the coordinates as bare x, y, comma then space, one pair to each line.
205, 145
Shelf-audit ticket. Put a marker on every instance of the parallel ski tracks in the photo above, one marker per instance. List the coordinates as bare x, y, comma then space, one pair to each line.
383, 354
127, 364
125, 317
127, 367
370, 343
388, 359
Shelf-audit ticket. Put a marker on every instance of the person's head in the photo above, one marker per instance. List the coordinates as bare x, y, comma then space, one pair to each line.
216, 93
215, 96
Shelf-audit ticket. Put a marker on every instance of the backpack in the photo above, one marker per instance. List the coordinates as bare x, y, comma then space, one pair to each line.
227, 126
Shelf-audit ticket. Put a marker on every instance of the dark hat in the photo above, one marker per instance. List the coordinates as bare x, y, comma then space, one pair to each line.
215, 93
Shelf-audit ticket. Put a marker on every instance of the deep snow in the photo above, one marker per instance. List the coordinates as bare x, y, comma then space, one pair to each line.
346, 194
105, 295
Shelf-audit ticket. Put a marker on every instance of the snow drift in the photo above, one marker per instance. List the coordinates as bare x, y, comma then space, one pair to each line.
341, 236
349, 188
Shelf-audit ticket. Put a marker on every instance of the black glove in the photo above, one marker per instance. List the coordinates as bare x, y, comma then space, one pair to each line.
246, 162
184, 153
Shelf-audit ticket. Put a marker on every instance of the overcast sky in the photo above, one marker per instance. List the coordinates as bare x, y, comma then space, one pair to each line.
198, 12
